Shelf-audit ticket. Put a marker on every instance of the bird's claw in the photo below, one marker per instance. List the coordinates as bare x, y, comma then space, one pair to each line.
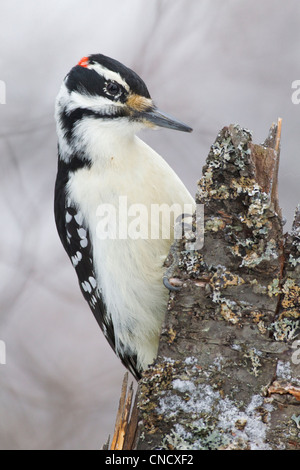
170, 286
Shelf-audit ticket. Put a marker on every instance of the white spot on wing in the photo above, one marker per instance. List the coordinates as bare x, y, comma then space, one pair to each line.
84, 243
79, 218
76, 258
82, 232
68, 237
68, 217
86, 286
93, 282
93, 301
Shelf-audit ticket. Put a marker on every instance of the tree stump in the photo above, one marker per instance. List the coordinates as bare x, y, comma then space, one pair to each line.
227, 375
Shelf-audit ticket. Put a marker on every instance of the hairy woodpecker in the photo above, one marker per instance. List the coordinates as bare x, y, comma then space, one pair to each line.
103, 167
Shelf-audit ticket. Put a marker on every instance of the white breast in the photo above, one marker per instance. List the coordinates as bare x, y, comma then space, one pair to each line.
129, 270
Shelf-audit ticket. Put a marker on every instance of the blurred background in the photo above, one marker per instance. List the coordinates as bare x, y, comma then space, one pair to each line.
208, 63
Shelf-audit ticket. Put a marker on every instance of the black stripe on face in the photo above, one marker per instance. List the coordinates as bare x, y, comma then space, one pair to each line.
86, 81
83, 80
69, 120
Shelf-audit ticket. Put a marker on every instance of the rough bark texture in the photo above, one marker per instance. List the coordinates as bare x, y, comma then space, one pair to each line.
228, 371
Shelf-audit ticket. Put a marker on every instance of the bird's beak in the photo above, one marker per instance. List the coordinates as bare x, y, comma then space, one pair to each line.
161, 119
143, 109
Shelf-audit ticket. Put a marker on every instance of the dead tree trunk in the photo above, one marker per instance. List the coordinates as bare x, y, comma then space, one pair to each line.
228, 371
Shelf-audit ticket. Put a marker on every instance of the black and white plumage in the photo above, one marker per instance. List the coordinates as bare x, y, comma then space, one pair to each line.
100, 107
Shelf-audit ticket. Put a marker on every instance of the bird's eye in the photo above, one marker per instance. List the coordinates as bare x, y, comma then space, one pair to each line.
113, 88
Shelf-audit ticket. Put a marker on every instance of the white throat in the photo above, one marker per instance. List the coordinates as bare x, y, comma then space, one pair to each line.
104, 140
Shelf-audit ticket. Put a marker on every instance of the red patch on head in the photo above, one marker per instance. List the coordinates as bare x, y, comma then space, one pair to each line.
84, 62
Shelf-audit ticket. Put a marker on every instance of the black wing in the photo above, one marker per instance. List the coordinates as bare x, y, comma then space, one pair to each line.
75, 238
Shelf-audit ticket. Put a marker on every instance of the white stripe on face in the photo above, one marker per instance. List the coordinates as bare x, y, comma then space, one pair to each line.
98, 103
108, 74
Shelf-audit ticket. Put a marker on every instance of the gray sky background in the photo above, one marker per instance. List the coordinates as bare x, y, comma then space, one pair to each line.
208, 63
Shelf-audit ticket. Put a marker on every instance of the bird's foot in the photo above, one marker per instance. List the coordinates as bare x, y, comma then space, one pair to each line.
170, 282
173, 284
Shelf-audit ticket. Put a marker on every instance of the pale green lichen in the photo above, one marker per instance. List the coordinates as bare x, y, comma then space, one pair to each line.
296, 419
285, 329
294, 261
225, 152
254, 355
257, 254
222, 431
230, 311
197, 436
284, 372
191, 262
291, 299
214, 224
274, 288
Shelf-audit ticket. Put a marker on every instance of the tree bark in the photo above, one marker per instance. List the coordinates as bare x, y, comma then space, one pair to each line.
227, 374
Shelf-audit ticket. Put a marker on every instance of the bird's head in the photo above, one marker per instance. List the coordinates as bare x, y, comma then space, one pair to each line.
103, 94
